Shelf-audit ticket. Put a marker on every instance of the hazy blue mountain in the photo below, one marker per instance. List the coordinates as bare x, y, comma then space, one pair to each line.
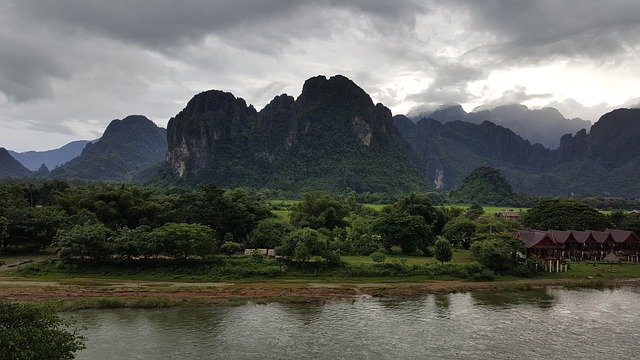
544, 126
32, 160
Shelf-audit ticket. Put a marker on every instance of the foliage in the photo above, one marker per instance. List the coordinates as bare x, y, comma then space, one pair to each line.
34, 228
474, 211
83, 242
378, 257
319, 210
234, 211
230, 247
443, 250
498, 252
302, 244
268, 234
484, 185
360, 236
29, 332
561, 214
404, 230
460, 231
418, 205
4, 234
182, 241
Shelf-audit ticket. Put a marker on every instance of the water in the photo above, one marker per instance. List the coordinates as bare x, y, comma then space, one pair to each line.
551, 324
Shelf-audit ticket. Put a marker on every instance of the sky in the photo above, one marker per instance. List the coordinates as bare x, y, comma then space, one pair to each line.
69, 67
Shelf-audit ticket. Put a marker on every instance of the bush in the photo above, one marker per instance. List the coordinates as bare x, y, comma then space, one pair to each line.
378, 257
443, 250
230, 247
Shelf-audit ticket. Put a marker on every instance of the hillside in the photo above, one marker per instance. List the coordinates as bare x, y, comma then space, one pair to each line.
484, 185
332, 137
32, 160
10, 167
127, 147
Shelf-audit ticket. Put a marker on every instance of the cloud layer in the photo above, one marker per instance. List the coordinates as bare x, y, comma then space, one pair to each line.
68, 67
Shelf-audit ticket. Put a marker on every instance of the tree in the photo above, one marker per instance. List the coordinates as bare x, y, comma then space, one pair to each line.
302, 244
460, 231
418, 205
83, 242
34, 228
30, 331
474, 211
4, 234
498, 252
560, 214
319, 210
130, 243
361, 237
443, 250
378, 257
269, 234
182, 241
407, 231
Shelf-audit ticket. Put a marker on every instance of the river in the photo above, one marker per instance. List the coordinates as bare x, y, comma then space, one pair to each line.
544, 324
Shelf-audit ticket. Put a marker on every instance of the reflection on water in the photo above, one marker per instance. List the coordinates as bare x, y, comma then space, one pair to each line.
540, 298
588, 324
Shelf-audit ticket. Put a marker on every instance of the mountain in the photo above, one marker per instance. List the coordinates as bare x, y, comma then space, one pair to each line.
485, 185
332, 137
127, 147
544, 126
51, 158
452, 150
604, 161
10, 167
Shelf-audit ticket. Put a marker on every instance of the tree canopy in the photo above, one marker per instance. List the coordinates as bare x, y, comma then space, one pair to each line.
561, 214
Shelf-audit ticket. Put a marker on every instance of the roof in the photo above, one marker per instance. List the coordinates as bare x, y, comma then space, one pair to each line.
602, 236
562, 236
509, 213
623, 236
583, 236
537, 240
612, 258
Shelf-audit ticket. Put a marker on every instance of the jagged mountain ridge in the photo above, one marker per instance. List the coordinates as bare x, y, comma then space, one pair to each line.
544, 126
32, 160
332, 137
10, 167
603, 162
127, 147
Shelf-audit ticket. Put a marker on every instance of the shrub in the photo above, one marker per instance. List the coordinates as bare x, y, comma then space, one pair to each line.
230, 247
378, 257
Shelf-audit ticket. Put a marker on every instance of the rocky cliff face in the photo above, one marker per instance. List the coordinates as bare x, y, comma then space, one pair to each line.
127, 146
331, 137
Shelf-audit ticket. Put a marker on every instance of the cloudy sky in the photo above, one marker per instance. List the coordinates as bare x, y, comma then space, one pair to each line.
68, 67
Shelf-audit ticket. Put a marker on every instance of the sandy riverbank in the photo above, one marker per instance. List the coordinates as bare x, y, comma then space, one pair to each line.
97, 293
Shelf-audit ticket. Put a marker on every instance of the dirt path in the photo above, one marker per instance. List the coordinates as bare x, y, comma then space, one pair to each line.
20, 289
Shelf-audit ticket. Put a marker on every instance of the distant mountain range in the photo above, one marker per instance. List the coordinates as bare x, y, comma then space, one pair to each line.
32, 160
333, 137
544, 126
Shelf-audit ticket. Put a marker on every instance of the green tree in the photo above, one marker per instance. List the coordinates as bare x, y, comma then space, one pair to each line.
361, 237
83, 242
269, 234
4, 234
29, 332
378, 257
302, 244
460, 231
443, 250
34, 228
498, 252
319, 210
130, 243
561, 214
418, 205
182, 241
407, 231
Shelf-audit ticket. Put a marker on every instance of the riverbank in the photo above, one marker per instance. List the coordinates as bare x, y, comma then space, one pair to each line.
97, 293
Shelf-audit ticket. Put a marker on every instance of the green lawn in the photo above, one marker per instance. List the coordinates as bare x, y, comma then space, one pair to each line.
459, 257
